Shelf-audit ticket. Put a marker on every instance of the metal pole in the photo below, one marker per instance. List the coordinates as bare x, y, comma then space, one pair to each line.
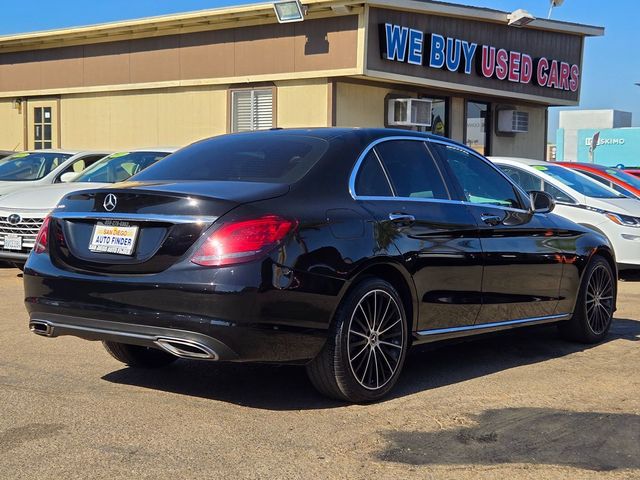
550, 9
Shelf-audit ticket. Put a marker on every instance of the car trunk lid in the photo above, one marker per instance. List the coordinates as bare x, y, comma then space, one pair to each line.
140, 228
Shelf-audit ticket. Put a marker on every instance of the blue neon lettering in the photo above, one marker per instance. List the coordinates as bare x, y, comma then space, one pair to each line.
454, 51
469, 51
436, 57
415, 47
396, 42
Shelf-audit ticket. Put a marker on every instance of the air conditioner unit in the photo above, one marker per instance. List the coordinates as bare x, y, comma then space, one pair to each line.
513, 121
409, 112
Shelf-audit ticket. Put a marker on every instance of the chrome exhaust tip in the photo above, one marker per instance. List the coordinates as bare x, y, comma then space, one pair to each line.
39, 327
186, 348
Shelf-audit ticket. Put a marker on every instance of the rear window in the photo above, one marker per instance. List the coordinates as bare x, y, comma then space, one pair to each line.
251, 157
118, 167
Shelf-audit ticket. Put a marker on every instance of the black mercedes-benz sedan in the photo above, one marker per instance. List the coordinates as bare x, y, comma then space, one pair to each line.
333, 248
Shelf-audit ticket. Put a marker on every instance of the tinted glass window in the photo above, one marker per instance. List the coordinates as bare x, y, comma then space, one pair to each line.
577, 181
525, 180
624, 176
262, 157
556, 193
480, 182
412, 171
119, 167
371, 180
29, 166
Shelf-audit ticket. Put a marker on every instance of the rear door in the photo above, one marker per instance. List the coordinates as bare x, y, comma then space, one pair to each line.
522, 251
403, 187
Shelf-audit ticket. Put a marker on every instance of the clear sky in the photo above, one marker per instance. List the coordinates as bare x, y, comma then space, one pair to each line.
611, 63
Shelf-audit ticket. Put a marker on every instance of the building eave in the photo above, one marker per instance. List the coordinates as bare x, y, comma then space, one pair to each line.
229, 17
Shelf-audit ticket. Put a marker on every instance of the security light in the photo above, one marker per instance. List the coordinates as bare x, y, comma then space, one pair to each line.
554, 3
520, 18
289, 11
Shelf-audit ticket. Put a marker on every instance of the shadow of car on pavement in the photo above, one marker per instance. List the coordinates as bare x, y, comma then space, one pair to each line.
286, 387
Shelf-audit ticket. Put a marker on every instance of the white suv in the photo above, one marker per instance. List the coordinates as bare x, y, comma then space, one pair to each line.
584, 201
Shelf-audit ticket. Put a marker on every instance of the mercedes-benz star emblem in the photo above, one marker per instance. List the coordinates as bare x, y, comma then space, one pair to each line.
110, 202
14, 219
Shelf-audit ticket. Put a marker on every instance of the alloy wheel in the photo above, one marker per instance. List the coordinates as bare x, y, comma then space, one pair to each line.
375, 340
599, 301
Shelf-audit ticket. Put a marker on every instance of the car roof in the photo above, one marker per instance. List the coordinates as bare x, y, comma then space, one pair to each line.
150, 149
524, 161
330, 133
593, 166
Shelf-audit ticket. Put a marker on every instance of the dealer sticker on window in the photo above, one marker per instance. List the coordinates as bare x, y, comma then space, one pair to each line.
114, 237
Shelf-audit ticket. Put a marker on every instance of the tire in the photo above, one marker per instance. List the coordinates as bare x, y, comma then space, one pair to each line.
593, 314
344, 369
137, 356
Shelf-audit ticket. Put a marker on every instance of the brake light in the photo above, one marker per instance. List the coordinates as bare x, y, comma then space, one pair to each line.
243, 241
42, 240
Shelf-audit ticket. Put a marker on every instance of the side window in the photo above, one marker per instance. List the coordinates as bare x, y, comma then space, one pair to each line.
412, 170
622, 190
597, 178
557, 194
525, 180
371, 180
480, 182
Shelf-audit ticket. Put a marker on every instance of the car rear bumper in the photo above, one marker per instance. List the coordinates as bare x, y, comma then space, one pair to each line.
181, 343
245, 313
9, 256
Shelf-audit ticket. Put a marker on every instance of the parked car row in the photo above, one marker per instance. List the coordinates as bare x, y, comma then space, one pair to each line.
333, 248
585, 201
32, 183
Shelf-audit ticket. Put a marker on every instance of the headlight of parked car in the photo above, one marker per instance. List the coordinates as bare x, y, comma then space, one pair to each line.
625, 220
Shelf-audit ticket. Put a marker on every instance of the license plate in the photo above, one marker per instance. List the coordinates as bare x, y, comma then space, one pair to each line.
13, 242
114, 237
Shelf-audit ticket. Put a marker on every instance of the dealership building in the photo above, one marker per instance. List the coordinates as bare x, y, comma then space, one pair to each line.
479, 76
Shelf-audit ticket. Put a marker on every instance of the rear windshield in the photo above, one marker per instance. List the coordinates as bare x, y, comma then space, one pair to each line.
266, 158
27, 167
119, 167
580, 183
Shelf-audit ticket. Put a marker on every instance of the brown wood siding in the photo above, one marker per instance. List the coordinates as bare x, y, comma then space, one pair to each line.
322, 44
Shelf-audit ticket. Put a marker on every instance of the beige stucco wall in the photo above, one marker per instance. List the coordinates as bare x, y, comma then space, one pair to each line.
360, 105
11, 127
524, 145
302, 103
125, 120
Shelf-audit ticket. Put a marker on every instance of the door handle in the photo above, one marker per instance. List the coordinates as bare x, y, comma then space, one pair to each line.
402, 218
490, 219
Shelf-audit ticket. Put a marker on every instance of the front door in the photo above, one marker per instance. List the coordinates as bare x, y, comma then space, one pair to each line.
42, 125
522, 254
402, 186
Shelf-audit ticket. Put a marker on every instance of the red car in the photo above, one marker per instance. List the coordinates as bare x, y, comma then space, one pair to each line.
633, 171
620, 180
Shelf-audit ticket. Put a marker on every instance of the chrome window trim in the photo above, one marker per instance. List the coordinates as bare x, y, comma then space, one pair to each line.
134, 217
426, 140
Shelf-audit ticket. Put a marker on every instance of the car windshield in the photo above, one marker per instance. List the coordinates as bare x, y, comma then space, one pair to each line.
578, 182
28, 167
242, 157
624, 176
118, 167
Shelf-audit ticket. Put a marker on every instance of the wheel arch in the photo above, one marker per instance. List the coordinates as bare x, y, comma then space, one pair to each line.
398, 276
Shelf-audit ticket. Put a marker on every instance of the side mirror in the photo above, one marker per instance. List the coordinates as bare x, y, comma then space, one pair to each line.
542, 202
67, 177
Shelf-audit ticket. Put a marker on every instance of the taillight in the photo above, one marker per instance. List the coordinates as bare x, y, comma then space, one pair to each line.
243, 241
42, 240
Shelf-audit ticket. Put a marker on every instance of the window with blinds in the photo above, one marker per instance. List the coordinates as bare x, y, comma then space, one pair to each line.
251, 110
